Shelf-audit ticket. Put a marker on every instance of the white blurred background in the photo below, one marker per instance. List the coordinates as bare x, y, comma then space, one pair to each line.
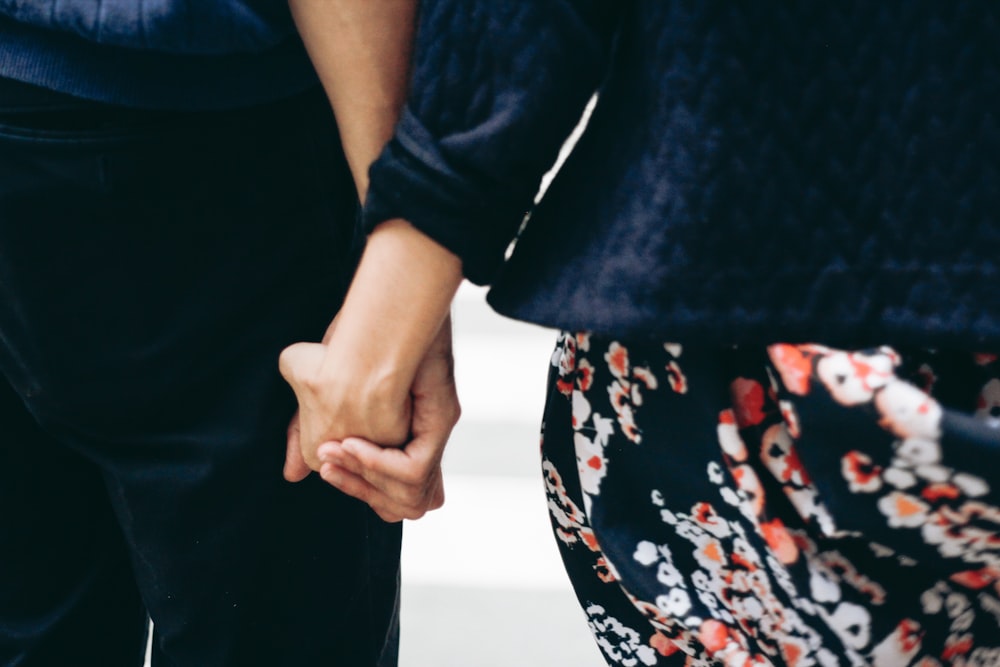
483, 585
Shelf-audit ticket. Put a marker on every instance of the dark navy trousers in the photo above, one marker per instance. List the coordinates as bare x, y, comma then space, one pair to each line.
152, 267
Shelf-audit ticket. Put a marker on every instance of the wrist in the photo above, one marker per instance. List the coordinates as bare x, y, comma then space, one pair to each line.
400, 297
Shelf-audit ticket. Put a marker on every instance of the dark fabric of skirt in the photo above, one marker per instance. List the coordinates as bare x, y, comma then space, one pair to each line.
791, 505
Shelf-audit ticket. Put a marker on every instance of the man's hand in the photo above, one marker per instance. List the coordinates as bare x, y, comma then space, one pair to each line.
339, 395
403, 483
296, 468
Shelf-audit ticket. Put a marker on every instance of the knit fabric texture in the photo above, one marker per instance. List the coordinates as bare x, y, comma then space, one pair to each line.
752, 171
163, 54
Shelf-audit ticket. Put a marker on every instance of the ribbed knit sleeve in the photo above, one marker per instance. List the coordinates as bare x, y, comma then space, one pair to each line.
497, 86
205, 27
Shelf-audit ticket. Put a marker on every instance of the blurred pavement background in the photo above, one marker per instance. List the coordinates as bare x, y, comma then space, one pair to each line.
483, 585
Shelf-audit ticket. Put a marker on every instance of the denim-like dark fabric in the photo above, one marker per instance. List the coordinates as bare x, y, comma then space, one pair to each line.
152, 266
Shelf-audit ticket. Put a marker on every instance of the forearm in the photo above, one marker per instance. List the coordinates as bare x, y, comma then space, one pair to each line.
361, 51
397, 302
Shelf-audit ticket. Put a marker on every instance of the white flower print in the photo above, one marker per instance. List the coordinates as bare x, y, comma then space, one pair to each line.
729, 437
984, 656
581, 409
590, 463
667, 574
707, 519
730, 496
852, 623
971, 486
899, 647
821, 586
790, 416
853, 377
625, 392
899, 478
955, 604
620, 643
572, 527
646, 553
862, 475
914, 452
603, 428
903, 510
908, 412
715, 474
808, 505
676, 603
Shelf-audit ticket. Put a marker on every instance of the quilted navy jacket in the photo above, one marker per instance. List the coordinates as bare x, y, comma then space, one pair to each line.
752, 172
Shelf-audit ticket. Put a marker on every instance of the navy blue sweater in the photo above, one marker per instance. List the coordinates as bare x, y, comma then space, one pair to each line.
752, 172
162, 54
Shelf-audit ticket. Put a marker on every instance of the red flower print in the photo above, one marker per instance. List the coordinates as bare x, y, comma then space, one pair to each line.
585, 377
663, 645
713, 635
984, 359
781, 543
976, 579
861, 473
791, 653
748, 401
794, 364
939, 491
795, 471
676, 378
957, 645
602, 570
617, 358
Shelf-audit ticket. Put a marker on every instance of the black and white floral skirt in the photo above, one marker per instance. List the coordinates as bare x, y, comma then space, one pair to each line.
795, 505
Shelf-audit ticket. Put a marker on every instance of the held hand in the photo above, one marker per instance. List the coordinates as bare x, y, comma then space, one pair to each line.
339, 395
363, 382
403, 483
296, 468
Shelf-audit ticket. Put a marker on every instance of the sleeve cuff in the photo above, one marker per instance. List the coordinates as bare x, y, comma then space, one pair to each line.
412, 181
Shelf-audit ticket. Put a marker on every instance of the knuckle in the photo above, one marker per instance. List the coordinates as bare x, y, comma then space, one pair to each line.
389, 517
310, 381
412, 477
411, 499
415, 513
